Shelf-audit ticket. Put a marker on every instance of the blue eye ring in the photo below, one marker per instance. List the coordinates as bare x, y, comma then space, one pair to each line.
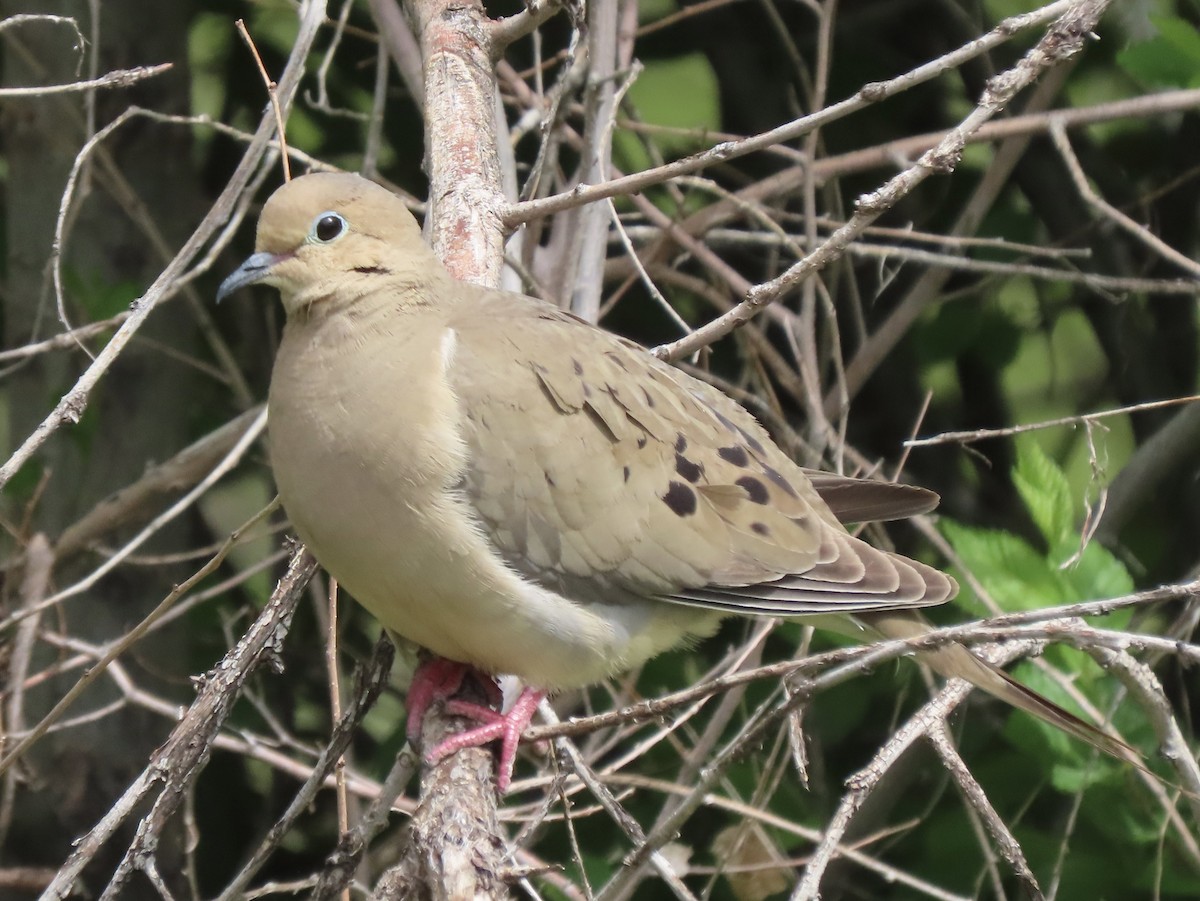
328, 227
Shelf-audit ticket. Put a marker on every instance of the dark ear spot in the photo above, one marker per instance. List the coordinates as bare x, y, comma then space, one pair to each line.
754, 488
681, 499
689, 470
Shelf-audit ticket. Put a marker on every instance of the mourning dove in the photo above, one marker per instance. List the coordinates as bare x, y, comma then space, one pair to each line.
519, 491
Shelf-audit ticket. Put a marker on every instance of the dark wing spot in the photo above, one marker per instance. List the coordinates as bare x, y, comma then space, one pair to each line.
616, 360
723, 419
779, 480
625, 471
599, 422
735, 454
649, 399
549, 479
680, 442
577, 366
641, 442
680, 498
689, 470
756, 490
760, 528
755, 444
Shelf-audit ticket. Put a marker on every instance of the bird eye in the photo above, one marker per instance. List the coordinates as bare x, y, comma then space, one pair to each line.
328, 227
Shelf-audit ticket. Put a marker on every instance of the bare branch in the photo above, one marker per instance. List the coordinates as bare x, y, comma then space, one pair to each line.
118, 78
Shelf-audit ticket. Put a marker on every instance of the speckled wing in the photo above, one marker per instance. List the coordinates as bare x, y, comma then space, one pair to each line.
603, 473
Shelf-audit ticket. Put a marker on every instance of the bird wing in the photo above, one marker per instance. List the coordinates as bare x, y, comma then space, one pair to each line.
869, 500
599, 471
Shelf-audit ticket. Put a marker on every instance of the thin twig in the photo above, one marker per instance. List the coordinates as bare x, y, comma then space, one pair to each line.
1080, 419
273, 95
118, 78
190, 742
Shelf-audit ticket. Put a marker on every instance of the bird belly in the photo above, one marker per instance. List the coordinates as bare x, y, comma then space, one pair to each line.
441, 586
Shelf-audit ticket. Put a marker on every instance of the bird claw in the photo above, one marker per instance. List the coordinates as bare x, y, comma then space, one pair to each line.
507, 727
436, 678
439, 679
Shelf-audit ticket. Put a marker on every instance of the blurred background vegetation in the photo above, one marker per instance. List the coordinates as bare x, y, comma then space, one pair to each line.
1045, 517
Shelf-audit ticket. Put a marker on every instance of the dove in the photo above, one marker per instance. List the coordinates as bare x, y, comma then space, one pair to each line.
521, 492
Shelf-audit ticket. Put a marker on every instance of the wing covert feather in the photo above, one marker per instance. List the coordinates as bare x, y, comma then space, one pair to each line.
638, 479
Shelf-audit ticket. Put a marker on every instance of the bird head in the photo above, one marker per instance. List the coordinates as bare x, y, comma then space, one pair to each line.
330, 238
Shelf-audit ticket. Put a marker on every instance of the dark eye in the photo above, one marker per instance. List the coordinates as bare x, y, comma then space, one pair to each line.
328, 227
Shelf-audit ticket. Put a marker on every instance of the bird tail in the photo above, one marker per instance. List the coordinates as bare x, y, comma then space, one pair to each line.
955, 661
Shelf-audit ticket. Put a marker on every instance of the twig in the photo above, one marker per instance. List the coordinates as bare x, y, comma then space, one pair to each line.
1080, 419
335, 701
340, 866
867, 96
1058, 133
512, 28
724, 238
70, 408
372, 679
1064, 38
939, 737
119, 647
224, 465
135, 503
178, 762
35, 581
621, 817
118, 78
273, 95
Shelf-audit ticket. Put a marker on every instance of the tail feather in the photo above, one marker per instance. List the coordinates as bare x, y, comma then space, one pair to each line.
956, 661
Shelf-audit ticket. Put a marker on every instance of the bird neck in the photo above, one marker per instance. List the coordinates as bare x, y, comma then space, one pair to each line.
366, 294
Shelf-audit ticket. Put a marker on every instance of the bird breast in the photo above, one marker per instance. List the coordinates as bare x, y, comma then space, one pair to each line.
368, 468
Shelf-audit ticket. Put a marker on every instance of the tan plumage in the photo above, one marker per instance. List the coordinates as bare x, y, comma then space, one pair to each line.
515, 489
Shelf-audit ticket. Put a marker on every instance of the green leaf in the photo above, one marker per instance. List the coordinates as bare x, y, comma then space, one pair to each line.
1098, 574
1169, 60
1076, 765
1044, 489
686, 116
1021, 577
1014, 573
99, 297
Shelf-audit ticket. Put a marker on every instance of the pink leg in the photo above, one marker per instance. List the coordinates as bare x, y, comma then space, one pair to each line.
507, 727
436, 678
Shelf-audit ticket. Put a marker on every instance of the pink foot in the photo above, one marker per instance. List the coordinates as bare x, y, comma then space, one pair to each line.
439, 679
508, 727
435, 678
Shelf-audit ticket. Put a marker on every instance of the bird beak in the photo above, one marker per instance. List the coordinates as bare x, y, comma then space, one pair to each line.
256, 268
